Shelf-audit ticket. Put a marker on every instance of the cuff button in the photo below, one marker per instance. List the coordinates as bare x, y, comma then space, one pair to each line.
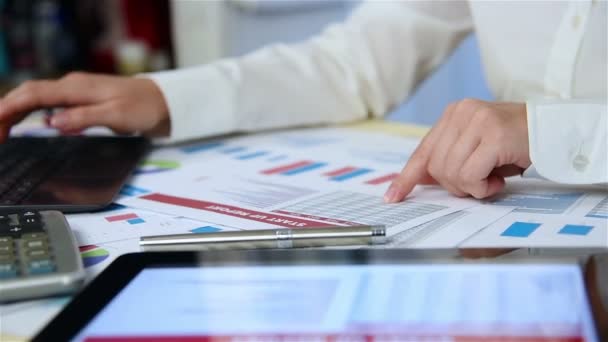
580, 163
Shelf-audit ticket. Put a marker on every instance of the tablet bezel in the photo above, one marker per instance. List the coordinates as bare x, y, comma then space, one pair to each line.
92, 299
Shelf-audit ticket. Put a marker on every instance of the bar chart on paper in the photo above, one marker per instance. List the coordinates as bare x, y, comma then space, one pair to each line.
294, 168
130, 190
346, 173
205, 229
365, 175
525, 230
203, 147
520, 229
124, 224
130, 218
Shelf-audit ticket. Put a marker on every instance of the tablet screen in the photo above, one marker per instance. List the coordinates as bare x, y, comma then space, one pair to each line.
457, 302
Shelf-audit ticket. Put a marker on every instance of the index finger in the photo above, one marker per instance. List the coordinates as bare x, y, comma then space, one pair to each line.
415, 170
412, 173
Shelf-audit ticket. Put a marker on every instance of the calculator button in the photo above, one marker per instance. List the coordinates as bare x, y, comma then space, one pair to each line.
30, 214
5, 220
30, 219
6, 242
5, 229
35, 244
7, 258
37, 254
31, 236
41, 266
7, 270
6, 249
13, 231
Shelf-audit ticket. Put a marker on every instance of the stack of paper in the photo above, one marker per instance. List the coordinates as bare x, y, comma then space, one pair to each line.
337, 176
319, 177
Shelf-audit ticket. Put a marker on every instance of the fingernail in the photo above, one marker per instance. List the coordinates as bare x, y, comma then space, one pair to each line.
59, 121
390, 194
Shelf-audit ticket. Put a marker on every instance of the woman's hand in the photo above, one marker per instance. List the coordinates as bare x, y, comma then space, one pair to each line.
124, 104
470, 151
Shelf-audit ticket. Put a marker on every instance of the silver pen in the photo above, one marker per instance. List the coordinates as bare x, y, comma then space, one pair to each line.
268, 238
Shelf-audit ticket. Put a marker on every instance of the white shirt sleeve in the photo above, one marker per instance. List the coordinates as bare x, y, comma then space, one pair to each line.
352, 71
569, 141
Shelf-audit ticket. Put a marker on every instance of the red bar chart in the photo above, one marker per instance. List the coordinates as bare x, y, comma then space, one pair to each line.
295, 168
130, 218
382, 179
285, 168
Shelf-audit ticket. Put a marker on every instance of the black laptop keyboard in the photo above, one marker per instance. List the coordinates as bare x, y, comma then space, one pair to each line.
25, 163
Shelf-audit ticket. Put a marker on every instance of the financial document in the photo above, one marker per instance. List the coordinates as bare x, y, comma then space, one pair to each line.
328, 177
547, 215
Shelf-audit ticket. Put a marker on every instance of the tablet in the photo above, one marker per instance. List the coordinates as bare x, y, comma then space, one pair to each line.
328, 295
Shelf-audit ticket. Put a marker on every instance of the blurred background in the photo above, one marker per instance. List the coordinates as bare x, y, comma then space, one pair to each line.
47, 38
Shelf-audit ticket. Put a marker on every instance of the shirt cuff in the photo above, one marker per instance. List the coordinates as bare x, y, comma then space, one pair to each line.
201, 100
568, 141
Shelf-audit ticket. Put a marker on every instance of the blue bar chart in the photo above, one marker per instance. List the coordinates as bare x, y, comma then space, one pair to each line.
205, 229
206, 146
345, 173
294, 168
235, 149
252, 155
302, 169
130, 190
575, 229
351, 174
520, 229
526, 230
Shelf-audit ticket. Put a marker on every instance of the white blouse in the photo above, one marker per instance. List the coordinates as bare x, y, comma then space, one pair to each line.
549, 54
